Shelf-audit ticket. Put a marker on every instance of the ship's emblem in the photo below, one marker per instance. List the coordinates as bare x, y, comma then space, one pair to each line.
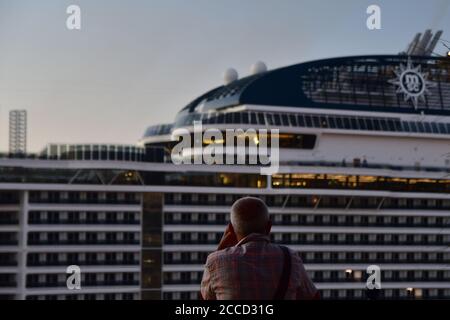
411, 82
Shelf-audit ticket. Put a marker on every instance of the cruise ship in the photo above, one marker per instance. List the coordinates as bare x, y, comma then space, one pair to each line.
363, 179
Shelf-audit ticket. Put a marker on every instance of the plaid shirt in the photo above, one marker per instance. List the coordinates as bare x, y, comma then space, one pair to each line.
251, 270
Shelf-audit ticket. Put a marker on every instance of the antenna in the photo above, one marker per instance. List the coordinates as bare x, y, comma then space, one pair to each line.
445, 45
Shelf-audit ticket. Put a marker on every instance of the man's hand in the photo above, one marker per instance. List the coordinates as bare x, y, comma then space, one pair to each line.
229, 238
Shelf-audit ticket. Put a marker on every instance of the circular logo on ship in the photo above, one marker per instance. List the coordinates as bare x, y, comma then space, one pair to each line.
412, 83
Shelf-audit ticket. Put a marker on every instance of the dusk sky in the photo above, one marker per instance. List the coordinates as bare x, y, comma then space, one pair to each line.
136, 63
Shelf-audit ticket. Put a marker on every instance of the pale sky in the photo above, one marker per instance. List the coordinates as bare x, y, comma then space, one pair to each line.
136, 63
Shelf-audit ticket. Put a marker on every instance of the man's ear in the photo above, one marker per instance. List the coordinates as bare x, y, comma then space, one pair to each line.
268, 226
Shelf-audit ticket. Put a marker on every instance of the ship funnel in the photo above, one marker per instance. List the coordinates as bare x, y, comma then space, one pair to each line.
424, 45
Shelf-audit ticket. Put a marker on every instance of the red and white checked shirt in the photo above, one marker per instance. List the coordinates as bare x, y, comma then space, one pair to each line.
251, 270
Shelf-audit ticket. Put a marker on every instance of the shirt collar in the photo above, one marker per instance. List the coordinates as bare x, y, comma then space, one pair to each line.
254, 237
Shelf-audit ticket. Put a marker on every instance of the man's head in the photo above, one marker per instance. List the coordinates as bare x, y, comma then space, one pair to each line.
250, 215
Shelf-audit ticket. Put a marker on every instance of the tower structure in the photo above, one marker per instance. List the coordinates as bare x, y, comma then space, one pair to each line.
18, 131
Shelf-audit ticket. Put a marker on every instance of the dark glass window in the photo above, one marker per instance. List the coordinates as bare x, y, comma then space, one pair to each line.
277, 119
101, 152
71, 152
308, 121
207, 119
420, 126
237, 117
269, 119
253, 119
95, 153
120, 153
261, 119
301, 120
406, 127
285, 120
79, 152
362, 124
332, 122
213, 119
316, 121
127, 154
245, 118
376, 124
293, 120
434, 127
391, 125
87, 152
112, 153
297, 141
63, 151
346, 123
104, 152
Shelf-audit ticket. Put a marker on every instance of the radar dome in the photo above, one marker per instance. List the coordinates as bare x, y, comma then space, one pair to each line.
258, 67
230, 76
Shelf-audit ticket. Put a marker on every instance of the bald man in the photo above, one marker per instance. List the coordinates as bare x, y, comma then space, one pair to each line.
247, 266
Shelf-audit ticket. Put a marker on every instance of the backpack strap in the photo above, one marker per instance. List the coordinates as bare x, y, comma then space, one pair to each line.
283, 284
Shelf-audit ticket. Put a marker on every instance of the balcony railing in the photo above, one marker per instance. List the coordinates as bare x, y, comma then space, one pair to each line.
8, 284
334, 279
81, 243
84, 201
161, 155
437, 242
82, 263
8, 242
9, 222
52, 284
82, 222
442, 224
